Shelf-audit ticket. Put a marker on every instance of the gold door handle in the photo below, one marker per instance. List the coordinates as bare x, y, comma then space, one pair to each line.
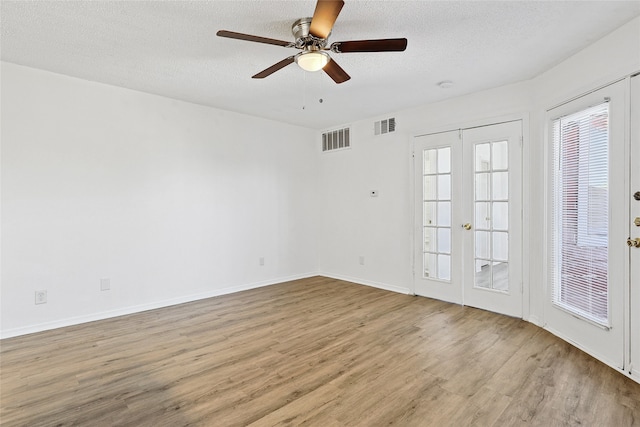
637, 221
633, 243
466, 226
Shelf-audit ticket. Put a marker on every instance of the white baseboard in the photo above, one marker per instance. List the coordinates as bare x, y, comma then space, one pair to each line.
386, 287
593, 354
535, 320
9, 333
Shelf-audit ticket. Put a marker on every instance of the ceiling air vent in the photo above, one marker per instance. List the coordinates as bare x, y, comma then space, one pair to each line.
336, 140
384, 126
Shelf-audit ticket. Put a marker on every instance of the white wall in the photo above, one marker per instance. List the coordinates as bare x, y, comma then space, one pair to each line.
353, 224
171, 201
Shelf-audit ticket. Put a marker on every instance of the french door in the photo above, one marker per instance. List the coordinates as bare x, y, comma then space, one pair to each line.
588, 223
493, 214
468, 217
438, 236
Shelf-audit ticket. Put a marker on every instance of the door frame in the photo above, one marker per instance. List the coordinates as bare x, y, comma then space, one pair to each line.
524, 118
633, 331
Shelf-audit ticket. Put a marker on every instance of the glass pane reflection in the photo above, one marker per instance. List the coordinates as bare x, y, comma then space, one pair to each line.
444, 187
444, 267
500, 216
482, 215
430, 187
444, 240
444, 160
444, 214
483, 157
429, 236
429, 211
482, 186
429, 157
483, 244
500, 159
500, 185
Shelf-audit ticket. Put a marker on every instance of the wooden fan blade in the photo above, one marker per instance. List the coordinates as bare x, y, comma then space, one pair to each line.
381, 45
275, 67
250, 38
324, 17
336, 72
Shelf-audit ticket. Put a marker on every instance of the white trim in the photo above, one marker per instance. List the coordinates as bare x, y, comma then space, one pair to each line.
412, 207
145, 307
590, 353
470, 124
525, 187
379, 285
584, 91
535, 320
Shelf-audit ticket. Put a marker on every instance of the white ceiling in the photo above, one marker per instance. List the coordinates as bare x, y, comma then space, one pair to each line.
169, 48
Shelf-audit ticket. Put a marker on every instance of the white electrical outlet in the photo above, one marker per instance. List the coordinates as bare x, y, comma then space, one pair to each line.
41, 297
105, 284
361, 259
261, 260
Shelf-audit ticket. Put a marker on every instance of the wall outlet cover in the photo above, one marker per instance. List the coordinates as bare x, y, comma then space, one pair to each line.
41, 297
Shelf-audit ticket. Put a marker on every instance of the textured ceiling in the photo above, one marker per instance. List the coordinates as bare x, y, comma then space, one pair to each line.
169, 48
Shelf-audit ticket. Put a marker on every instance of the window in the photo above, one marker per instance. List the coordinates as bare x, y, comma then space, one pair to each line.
581, 213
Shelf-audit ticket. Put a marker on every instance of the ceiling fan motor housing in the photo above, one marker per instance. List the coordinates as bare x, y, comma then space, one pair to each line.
304, 40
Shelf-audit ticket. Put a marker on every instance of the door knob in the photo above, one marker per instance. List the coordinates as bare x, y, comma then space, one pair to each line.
637, 221
633, 243
466, 226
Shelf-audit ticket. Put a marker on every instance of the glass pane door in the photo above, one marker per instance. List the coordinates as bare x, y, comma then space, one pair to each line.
588, 223
492, 223
437, 252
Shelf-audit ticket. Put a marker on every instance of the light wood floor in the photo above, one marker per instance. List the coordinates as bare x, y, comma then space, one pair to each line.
318, 352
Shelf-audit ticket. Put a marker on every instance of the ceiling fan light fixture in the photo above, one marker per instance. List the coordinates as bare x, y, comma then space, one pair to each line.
313, 60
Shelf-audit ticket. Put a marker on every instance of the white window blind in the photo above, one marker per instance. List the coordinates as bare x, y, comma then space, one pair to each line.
581, 213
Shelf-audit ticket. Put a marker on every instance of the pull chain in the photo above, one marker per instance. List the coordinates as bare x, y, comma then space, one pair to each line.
304, 90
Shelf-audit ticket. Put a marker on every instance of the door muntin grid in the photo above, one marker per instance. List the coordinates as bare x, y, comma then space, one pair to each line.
491, 213
436, 222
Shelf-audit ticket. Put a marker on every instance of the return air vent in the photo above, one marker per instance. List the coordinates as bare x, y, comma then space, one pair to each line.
385, 126
336, 140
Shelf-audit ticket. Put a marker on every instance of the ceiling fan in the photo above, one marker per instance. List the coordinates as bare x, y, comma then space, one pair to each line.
311, 37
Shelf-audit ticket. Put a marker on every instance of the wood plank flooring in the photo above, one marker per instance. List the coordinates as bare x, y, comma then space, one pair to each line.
318, 352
